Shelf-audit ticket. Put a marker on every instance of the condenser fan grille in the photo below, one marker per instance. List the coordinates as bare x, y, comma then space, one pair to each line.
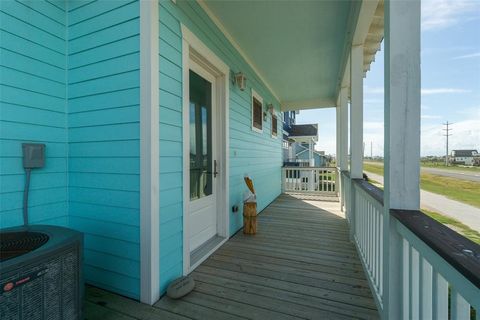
13, 244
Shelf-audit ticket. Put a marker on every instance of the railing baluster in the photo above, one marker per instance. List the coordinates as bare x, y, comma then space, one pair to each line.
370, 233
440, 297
406, 279
374, 244
460, 309
426, 295
380, 277
415, 284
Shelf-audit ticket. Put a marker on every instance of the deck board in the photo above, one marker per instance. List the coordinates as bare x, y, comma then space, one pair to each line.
300, 265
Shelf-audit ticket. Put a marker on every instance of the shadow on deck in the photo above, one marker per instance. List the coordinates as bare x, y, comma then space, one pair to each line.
300, 265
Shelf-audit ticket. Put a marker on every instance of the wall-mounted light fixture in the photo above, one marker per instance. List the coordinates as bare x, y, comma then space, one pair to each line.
271, 109
240, 80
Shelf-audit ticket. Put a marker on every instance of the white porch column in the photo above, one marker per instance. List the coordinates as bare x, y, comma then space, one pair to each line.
342, 140
310, 153
402, 135
337, 136
356, 112
343, 143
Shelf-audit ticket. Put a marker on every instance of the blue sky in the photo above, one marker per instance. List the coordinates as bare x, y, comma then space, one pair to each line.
450, 83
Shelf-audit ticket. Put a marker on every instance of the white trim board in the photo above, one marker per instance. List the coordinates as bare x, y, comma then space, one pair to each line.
149, 154
307, 104
194, 49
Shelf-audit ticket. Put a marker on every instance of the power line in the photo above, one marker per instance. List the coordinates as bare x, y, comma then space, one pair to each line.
447, 134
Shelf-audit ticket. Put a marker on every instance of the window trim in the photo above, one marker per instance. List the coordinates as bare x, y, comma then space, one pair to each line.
259, 99
274, 136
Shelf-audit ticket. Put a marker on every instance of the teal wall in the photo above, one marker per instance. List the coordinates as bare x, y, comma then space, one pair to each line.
103, 142
171, 146
70, 79
33, 109
258, 155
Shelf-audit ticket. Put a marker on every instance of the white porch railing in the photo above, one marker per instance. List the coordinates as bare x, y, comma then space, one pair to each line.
439, 270
309, 179
368, 236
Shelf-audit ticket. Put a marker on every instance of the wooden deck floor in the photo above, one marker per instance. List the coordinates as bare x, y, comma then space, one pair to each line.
300, 265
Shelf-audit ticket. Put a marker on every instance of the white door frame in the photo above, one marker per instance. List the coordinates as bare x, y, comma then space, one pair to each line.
194, 49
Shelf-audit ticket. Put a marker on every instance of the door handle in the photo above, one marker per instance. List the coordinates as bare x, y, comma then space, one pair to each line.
215, 172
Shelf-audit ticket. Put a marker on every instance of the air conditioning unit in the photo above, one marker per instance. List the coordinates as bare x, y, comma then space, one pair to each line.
40, 273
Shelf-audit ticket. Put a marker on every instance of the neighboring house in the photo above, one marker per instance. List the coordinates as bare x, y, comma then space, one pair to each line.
466, 157
303, 155
476, 161
299, 142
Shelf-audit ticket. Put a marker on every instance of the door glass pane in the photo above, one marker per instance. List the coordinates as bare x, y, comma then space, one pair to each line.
200, 137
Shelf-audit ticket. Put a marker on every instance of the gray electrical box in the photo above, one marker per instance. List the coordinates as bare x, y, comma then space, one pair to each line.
33, 155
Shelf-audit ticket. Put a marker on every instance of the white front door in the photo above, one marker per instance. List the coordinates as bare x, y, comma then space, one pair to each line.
202, 171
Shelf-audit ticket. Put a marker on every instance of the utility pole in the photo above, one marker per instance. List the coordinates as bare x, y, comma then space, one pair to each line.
371, 150
447, 134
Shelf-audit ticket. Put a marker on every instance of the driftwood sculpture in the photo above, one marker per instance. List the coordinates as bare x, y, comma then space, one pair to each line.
250, 211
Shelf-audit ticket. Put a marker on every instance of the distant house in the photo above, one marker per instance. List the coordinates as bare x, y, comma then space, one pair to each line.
299, 143
466, 157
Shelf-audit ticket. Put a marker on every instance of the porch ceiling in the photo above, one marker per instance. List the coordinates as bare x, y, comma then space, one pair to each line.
299, 48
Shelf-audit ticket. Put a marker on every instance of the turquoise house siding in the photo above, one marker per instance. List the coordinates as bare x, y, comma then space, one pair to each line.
258, 155
32, 109
104, 153
171, 147
70, 79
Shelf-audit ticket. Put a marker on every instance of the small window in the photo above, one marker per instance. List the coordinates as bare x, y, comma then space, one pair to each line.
257, 112
274, 126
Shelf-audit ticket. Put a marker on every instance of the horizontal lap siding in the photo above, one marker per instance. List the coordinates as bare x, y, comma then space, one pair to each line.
171, 148
104, 133
258, 155
32, 109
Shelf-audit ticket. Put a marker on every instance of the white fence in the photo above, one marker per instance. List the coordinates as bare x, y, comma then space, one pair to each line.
429, 269
309, 179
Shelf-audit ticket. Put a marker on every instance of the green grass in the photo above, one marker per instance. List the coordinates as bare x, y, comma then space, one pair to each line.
460, 190
429, 164
438, 165
456, 225
373, 168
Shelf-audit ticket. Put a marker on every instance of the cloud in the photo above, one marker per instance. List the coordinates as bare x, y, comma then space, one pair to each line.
373, 125
373, 90
429, 116
440, 14
427, 92
373, 101
465, 135
467, 56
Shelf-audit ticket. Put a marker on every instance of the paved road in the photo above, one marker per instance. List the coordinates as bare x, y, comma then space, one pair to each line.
464, 175
464, 213
458, 174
